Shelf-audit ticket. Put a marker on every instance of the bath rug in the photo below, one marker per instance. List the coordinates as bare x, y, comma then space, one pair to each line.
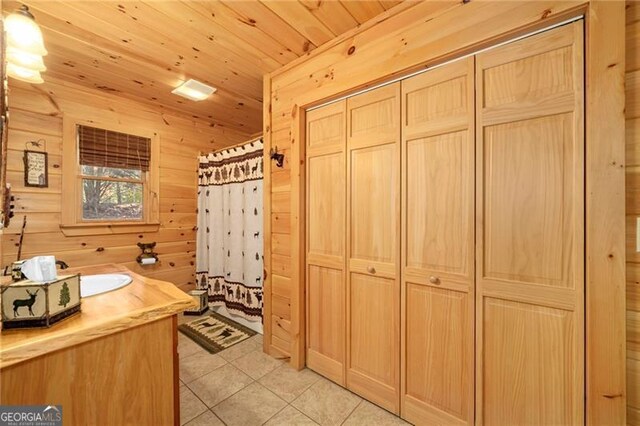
215, 332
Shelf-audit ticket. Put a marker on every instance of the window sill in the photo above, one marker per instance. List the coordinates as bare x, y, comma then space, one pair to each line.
82, 229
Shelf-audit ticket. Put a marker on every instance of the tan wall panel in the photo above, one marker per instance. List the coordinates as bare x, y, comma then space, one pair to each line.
633, 210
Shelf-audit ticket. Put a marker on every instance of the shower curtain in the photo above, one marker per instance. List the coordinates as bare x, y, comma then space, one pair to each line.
229, 237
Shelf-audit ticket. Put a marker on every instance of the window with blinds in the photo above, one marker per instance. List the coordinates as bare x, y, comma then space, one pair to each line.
106, 148
113, 168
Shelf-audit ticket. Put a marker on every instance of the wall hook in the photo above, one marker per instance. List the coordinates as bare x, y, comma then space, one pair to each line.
279, 157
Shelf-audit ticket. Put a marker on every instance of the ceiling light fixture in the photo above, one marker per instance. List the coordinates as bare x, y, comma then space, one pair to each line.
194, 90
25, 60
24, 74
23, 33
25, 47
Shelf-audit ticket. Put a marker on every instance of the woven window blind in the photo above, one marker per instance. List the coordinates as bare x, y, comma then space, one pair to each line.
106, 148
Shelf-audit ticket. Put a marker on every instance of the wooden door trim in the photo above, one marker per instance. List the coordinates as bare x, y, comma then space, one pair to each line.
605, 376
604, 171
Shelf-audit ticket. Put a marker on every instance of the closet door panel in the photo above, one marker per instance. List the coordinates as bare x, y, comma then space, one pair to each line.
439, 326
373, 214
373, 319
438, 182
373, 303
325, 240
326, 205
529, 201
438, 243
530, 231
528, 371
326, 312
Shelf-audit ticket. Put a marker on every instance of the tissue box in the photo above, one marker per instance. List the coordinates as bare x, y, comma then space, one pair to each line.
200, 298
27, 304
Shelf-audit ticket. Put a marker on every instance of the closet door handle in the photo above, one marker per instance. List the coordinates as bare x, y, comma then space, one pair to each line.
434, 280
371, 270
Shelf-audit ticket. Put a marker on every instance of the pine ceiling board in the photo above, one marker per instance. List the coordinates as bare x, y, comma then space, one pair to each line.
252, 42
223, 107
216, 114
248, 127
176, 33
219, 108
388, 4
113, 107
257, 15
332, 14
161, 51
142, 49
363, 10
110, 62
300, 18
242, 28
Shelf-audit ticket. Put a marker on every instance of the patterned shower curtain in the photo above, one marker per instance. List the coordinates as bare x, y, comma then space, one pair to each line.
229, 238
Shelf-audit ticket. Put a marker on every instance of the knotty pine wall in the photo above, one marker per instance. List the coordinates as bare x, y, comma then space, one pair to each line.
403, 39
633, 210
36, 112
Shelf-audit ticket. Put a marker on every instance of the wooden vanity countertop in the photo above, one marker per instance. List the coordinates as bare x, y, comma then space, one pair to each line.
142, 301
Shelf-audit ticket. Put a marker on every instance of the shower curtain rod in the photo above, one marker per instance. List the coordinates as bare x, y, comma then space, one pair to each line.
232, 147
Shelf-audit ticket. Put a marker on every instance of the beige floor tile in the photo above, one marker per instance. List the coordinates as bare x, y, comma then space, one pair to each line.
257, 339
289, 383
256, 364
190, 406
253, 405
219, 384
238, 350
199, 364
187, 346
289, 416
206, 419
369, 414
326, 403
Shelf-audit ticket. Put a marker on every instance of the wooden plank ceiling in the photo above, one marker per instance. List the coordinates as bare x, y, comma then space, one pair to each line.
143, 49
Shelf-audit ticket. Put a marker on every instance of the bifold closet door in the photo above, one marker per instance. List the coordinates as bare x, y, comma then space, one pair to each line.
373, 240
326, 235
438, 245
530, 231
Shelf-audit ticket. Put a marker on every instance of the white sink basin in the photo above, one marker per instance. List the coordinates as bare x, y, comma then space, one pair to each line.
90, 285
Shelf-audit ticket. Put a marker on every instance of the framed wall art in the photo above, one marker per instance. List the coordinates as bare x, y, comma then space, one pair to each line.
36, 169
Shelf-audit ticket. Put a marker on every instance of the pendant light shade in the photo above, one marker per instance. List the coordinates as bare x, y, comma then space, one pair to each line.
23, 33
25, 60
23, 74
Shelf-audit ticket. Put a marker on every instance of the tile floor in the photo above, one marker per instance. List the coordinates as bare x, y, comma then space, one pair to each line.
243, 386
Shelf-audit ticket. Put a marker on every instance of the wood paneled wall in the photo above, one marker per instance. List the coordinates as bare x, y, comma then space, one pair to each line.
633, 210
404, 39
37, 113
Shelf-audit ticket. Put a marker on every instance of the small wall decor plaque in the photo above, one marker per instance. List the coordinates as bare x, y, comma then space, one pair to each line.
36, 169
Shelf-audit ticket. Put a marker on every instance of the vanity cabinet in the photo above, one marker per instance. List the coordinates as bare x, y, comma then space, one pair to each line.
115, 363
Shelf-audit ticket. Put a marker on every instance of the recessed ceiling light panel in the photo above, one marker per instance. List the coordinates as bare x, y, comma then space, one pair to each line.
194, 90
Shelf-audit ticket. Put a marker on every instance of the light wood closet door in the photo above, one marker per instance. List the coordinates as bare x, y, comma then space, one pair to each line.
373, 238
326, 235
530, 245
438, 245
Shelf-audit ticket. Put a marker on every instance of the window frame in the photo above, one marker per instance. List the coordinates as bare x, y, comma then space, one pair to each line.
72, 222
